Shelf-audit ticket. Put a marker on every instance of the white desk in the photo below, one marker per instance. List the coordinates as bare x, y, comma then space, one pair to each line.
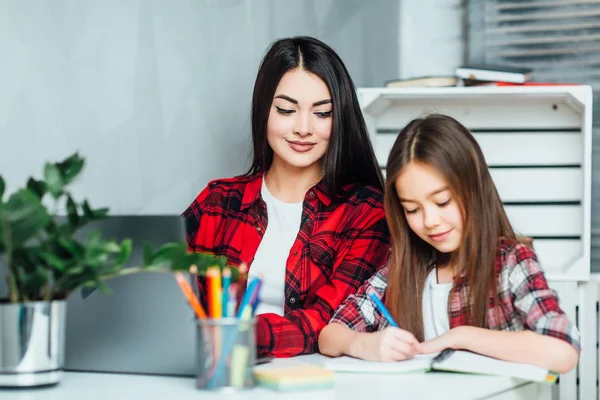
96, 386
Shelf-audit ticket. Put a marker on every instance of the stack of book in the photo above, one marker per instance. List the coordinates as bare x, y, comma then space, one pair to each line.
472, 75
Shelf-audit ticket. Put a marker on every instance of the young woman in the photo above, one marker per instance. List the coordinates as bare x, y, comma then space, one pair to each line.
457, 277
308, 216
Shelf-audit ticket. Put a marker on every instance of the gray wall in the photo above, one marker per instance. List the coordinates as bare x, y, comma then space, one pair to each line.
432, 37
156, 93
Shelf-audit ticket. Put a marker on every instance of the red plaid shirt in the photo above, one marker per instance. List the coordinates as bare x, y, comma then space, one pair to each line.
525, 298
340, 244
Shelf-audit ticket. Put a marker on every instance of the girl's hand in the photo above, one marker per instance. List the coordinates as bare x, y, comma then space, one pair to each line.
390, 344
451, 339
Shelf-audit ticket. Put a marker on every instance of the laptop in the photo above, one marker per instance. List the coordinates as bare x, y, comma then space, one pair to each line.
145, 325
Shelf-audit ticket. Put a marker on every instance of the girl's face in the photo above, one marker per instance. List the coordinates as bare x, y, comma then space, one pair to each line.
430, 209
300, 119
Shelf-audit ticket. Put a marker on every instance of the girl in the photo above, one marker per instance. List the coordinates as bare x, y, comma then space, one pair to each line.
308, 216
457, 277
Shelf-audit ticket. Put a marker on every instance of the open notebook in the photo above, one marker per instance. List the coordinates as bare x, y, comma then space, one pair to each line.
451, 361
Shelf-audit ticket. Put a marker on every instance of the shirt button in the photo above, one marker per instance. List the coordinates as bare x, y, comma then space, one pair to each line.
258, 228
292, 300
311, 193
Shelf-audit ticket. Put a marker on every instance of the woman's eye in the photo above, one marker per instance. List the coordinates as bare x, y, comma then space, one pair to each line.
283, 111
414, 210
325, 114
443, 204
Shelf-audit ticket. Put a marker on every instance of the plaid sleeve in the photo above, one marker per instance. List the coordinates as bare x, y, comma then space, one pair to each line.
192, 217
358, 312
536, 302
297, 332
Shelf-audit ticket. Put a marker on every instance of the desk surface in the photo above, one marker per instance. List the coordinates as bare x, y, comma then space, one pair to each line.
98, 386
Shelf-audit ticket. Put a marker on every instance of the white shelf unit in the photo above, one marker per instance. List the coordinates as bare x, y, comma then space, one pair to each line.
537, 141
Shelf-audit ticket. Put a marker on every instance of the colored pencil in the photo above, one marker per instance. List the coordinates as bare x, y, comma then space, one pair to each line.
188, 292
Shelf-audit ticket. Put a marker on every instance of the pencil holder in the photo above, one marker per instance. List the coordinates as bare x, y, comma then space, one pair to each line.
226, 354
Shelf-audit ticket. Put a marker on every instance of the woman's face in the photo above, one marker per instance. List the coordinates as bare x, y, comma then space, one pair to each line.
300, 119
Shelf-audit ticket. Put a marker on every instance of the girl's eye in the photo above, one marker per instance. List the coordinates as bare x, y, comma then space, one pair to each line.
283, 111
325, 114
445, 203
414, 210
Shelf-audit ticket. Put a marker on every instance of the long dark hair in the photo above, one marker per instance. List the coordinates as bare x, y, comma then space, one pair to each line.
350, 157
443, 143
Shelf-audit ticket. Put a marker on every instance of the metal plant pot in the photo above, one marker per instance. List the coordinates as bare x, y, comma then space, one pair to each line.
32, 343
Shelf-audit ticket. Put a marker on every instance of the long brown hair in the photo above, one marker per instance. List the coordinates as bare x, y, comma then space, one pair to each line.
443, 143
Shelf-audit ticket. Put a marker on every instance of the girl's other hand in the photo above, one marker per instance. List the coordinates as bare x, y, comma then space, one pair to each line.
450, 339
390, 344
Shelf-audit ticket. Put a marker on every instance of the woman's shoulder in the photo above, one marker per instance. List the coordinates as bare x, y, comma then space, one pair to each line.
357, 194
223, 188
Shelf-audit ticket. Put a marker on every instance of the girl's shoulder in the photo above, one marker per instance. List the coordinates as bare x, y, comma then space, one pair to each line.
515, 253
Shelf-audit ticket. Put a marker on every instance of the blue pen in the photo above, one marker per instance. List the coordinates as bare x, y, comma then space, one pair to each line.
247, 296
255, 298
382, 308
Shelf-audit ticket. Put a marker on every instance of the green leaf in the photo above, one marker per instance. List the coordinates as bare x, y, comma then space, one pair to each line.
71, 167
76, 270
74, 218
37, 187
54, 179
87, 210
53, 261
93, 214
72, 212
148, 253
124, 253
70, 246
35, 282
100, 213
112, 247
169, 253
24, 216
101, 286
202, 261
2, 188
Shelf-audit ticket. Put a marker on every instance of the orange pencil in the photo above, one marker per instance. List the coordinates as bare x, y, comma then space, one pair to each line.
189, 295
213, 279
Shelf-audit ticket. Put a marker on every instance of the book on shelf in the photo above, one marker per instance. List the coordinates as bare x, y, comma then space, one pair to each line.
423, 81
472, 83
447, 361
494, 73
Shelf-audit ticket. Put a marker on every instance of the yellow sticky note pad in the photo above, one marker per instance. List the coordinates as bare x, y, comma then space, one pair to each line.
552, 377
296, 377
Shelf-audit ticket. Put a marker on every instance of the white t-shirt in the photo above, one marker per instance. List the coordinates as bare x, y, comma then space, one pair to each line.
435, 306
274, 249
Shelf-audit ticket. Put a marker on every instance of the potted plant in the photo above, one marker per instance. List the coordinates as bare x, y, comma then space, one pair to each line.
44, 262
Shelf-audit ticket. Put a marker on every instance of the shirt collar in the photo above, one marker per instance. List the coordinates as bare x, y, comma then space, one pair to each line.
254, 184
